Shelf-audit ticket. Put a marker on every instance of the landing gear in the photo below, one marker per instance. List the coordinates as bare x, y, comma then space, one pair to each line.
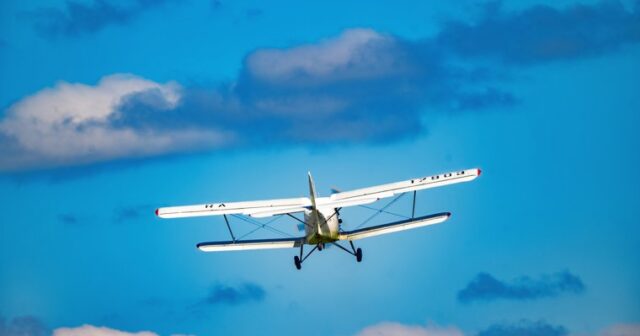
354, 252
297, 262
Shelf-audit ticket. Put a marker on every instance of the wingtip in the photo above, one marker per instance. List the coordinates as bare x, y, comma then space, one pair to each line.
201, 247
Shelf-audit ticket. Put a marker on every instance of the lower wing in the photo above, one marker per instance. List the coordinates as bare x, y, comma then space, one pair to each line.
395, 226
259, 244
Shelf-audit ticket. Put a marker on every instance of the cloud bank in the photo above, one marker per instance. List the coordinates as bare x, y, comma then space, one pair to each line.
397, 329
33, 326
361, 86
89, 330
484, 287
623, 329
521, 328
86, 17
543, 33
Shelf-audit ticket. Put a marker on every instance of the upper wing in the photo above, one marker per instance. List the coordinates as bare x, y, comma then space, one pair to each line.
395, 227
343, 199
388, 190
250, 244
257, 208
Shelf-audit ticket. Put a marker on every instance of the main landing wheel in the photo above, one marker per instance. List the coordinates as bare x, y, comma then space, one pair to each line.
359, 254
296, 261
320, 246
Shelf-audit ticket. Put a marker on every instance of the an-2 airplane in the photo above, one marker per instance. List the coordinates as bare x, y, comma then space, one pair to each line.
322, 222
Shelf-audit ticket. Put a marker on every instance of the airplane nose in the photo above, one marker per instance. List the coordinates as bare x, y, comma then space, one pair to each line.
157, 212
479, 171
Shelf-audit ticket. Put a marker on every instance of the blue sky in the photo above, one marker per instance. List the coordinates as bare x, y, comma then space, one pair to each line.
112, 109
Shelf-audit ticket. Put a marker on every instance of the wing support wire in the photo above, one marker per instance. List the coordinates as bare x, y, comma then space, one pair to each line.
260, 226
383, 209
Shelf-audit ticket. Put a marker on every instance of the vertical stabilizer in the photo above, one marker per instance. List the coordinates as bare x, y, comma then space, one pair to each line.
312, 191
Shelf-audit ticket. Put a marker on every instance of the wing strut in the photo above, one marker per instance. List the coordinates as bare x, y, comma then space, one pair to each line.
353, 248
413, 209
226, 220
298, 219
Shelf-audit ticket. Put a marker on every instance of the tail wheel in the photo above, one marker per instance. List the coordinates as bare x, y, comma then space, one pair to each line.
359, 254
296, 261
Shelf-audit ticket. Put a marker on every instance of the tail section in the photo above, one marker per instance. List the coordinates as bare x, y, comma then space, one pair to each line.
312, 191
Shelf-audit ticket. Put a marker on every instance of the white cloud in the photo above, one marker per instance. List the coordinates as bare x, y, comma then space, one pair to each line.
89, 330
622, 330
350, 55
397, 329
70, 123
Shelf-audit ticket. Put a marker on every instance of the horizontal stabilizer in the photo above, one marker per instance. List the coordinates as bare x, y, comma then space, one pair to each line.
395, 226
259, 244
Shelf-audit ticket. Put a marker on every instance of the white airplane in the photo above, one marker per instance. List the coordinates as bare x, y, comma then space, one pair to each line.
322, 221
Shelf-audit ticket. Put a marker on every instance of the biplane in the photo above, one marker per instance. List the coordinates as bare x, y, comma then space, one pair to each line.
322, 222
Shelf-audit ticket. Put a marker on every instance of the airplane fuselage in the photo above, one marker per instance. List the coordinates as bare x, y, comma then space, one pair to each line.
322, 225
